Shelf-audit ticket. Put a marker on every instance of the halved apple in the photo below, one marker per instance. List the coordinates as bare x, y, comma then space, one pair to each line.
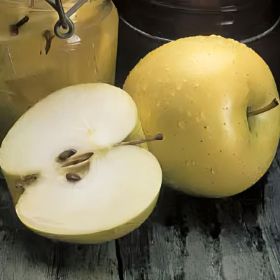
70, 172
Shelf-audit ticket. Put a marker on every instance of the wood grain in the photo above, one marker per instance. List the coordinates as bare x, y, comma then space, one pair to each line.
26, 256
269, 219
191, 238
185, 238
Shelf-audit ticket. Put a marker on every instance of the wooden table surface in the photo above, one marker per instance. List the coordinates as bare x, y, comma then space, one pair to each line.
185, 238
188, 238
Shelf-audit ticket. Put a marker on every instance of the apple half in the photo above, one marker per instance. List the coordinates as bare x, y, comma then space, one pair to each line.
72, 174
216, 102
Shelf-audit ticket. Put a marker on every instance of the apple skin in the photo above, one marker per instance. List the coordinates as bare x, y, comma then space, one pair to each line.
101, 236
197, 91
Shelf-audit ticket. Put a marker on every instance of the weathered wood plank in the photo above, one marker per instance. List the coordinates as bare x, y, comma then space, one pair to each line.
26, 256
243, 248
269, 219
186, 238
189, 238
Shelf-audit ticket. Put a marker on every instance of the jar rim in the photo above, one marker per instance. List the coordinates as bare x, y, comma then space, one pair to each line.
248, 21
42, 4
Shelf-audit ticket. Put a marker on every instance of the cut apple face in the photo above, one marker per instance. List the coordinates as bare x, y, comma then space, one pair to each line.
72, 173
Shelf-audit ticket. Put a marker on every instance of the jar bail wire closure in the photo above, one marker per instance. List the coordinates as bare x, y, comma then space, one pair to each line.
64, 28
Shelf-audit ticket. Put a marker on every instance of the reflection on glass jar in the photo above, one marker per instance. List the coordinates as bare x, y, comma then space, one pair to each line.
151, 23
34, 62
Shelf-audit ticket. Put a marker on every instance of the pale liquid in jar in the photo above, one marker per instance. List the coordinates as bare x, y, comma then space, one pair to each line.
28, 73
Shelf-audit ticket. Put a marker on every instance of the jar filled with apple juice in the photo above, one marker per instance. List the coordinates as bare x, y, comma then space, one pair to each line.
35, 62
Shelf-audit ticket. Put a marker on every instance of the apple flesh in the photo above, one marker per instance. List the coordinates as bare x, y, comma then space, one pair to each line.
72, 175
200, 92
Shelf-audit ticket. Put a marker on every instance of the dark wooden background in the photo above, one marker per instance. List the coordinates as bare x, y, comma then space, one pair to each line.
237, 238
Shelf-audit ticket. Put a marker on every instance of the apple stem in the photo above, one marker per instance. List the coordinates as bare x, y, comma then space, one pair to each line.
274, 103
68, 157
141, 141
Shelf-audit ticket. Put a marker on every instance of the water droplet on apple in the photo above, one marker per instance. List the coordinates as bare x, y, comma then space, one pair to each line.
181, 124
202, 116
196, 85
144, 87
212, 171
193, 163
148, 114
187, 163
178, 87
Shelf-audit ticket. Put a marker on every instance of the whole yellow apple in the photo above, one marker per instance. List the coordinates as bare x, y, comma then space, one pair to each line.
215, 100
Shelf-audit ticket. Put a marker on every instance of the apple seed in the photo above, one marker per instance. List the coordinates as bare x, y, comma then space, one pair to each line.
26, 181
66, 155
19, 186
29, 179
72, 177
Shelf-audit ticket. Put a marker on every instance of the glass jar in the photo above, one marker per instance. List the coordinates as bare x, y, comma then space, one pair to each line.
34, 62
151, 23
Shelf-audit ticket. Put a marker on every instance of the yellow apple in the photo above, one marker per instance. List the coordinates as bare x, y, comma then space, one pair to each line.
71, 170
215, 100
